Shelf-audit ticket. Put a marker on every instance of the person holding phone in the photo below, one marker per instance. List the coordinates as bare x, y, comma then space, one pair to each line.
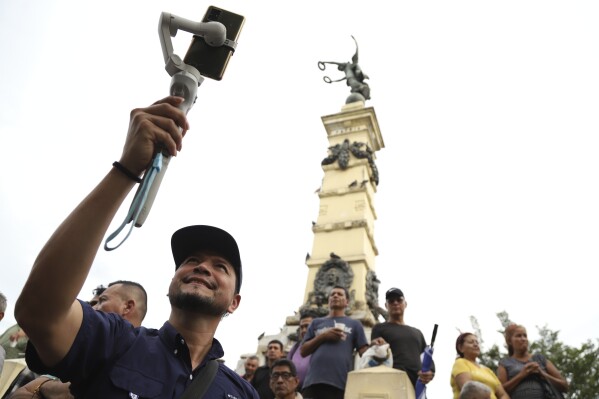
106, 357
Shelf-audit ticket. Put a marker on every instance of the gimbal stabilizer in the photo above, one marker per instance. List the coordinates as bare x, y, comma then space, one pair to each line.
184, 83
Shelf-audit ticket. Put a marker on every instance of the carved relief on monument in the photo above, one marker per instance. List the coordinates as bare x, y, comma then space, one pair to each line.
372, 296
334, 272
340, 153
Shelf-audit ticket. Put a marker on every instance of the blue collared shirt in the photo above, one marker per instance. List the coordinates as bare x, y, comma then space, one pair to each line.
111, 359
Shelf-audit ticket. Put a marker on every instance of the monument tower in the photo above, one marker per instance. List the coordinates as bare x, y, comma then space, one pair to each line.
344, 249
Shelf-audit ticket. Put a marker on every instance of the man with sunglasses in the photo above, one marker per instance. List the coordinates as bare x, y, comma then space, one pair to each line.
407, 343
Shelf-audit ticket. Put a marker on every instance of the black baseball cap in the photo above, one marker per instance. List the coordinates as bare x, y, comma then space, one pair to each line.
393, 292
200, 237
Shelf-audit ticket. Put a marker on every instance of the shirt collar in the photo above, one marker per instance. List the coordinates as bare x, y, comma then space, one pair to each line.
173, 340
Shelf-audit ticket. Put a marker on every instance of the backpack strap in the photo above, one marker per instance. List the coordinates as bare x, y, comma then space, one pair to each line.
200, 384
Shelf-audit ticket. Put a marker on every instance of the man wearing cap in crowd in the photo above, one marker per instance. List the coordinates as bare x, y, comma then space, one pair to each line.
407, 343
104, 356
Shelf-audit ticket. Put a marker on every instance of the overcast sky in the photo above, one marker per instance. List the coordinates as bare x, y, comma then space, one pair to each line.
488, 196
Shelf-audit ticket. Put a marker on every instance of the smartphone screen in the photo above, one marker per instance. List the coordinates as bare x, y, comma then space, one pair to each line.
210, 61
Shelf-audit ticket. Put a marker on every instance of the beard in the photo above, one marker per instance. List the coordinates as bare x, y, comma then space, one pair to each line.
196, 304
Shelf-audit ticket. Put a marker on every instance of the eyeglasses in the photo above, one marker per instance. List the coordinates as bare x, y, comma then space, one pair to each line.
285, 376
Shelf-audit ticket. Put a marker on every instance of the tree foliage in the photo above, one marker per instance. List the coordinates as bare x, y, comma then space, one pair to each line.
580, 366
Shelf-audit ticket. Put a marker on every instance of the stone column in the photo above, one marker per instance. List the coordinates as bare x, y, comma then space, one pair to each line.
344, 247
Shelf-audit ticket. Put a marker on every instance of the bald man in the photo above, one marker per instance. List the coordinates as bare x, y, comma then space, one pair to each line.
475, 390
127, 299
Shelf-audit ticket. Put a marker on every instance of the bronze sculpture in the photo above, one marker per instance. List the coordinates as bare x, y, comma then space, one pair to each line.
354, 77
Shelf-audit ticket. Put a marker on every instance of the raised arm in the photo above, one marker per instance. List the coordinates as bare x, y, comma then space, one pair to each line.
47, 309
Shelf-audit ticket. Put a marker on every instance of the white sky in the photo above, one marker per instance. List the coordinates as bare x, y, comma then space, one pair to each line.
488, 196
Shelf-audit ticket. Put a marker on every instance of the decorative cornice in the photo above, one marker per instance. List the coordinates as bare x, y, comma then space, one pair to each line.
348, 224
341, 191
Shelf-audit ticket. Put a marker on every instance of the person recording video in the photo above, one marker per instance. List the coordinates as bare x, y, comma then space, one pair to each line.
102, 355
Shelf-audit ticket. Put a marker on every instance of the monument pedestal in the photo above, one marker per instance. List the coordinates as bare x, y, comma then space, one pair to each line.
379, 382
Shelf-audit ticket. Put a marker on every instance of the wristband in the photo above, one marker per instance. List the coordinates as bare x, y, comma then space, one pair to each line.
126, 172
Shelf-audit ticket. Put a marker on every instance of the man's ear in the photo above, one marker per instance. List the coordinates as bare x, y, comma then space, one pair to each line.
1, 315
234, 303
129, 307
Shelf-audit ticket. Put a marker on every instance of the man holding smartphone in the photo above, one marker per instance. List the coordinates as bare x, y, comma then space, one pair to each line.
106, 357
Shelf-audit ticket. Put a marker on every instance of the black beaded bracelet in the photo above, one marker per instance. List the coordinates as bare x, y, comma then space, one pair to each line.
126, 172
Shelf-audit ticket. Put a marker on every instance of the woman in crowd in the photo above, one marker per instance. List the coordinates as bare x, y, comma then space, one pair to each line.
522, 373
466, 368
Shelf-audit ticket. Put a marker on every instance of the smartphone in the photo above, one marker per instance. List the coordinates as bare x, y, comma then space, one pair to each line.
210, 61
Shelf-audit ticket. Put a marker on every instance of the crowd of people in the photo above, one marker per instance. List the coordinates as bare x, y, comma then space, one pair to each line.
520, 375
318, 363
98, 348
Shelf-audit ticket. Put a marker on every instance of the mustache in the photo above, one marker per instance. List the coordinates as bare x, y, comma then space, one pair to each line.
199, 279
